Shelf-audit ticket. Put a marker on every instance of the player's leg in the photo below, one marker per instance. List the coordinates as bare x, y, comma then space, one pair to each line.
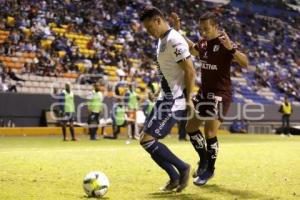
288, 125
72, 131
63, 124
198, 141
116, 132
64, 130
90, 124
163, 156
210, 129
149, 143
283, 125
181, 130
95, 124
132, 125
71, 126
159, 125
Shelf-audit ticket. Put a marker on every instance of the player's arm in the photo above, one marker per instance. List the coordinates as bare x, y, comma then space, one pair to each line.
176, 25
189, 76
238, 56
182, 57
192, 45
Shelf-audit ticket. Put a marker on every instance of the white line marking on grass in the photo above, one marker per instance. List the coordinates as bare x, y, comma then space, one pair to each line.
115, 149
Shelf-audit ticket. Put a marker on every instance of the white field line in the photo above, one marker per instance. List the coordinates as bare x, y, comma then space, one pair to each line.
113, 149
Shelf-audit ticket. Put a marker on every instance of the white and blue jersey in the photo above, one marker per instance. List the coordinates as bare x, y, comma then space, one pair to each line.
171, 104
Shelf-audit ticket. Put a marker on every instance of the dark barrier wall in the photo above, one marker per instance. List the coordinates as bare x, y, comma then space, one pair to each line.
26, 109
260, 113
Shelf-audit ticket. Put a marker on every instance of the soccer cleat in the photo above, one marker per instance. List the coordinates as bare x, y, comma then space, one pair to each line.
200, 170
184, 179
170, 185
202, 179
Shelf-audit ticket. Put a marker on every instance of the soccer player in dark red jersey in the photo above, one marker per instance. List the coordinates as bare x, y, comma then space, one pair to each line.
216, 52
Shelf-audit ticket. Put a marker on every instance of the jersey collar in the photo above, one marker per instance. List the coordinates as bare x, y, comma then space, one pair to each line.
166, 33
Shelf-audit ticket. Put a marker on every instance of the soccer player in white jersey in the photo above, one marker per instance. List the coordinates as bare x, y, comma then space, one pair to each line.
177, 80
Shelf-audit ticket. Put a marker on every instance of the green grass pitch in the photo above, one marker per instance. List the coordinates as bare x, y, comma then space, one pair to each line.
248, 167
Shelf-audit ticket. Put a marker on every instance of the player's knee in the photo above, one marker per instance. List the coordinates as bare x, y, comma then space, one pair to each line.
190, 128
211, 134
145, 137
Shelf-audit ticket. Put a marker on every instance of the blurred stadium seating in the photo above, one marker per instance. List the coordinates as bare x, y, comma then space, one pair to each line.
49, 43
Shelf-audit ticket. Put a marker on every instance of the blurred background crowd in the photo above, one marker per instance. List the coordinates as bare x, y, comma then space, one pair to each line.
70, 38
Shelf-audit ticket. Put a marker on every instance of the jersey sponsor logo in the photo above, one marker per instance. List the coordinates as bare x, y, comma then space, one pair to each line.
205, 55
199, 141
216, 48
162, 125
178, 52
208, 66
202, 44
215, 147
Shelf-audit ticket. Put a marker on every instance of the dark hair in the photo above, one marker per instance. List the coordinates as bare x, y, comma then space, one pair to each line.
209, 16
150, 11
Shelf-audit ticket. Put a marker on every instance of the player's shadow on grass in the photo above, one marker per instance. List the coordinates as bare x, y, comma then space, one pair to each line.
240, 194
92, 198
175, 195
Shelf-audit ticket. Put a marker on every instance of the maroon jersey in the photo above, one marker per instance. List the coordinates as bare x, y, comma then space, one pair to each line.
215, 61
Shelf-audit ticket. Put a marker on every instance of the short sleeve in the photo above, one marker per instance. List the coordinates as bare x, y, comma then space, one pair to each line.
179, 47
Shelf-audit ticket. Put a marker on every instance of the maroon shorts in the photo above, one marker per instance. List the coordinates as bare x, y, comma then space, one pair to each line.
211, 107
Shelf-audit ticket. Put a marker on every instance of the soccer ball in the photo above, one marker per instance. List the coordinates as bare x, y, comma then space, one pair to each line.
95, 184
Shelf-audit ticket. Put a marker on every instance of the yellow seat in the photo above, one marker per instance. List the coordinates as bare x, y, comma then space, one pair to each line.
85, 37
80, 41
52, 25
27, 31
138, 90
81, 67
46, 43
111, 37
61, 54
82, 46
143, 85
139, 80
10, 21
91, 52
76, 36
83, 50
118, 46
61, 30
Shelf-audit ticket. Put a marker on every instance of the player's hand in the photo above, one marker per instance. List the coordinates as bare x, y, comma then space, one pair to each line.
175, 21
225, 40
